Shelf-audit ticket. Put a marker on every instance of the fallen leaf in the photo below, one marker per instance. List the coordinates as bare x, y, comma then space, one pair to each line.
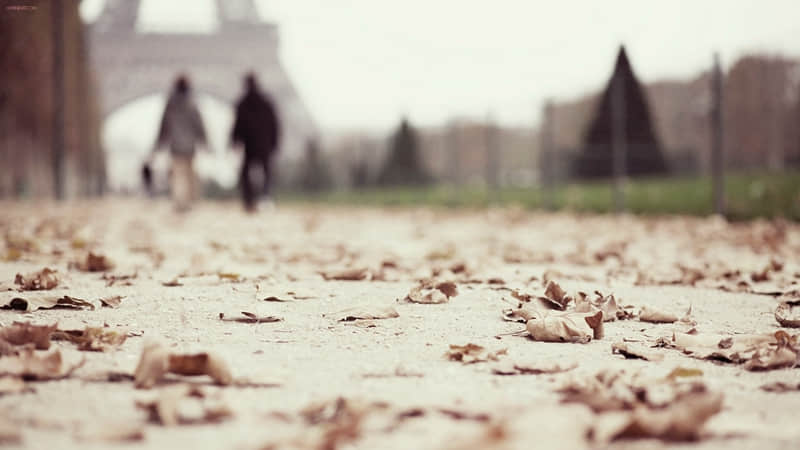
156, 362
780, 386
566, 327
113, 433
683, 372
681, 420
629, 350
184, 405
556, 295
353, 274
248, 317
125, 279
633, 407
22, 333
432, 292
232, 276
756, 352
532, 367
30, 364
44, 279
653, 315
788, 314
201, 364
473, 353
94, 262
92, 339
111, 302
368, 312
35, 300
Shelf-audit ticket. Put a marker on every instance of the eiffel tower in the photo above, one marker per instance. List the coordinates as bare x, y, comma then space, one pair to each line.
130, 63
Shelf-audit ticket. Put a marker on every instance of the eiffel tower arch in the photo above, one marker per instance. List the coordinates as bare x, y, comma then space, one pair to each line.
130, 63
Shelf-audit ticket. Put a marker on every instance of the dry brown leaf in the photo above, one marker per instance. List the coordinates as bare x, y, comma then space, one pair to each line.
681, 420
605, 303
788, 314
352, 274
556, 295
231, 276
201, 364
175, 282
37, 300
111, 302
633, 407
33, 365
92, 339
156, 362
366, 312
432, 292
473, 353
248, 317
780, 386
532, 367
113, 433
44, 279
629, 350
184, 405
120, 279
94, 262
22, 333
653, 315
566, 327
756, 352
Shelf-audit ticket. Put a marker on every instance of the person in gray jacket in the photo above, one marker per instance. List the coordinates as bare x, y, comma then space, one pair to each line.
182, 131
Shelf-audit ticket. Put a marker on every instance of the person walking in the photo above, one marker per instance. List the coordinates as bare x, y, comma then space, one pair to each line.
257, 128
181, 130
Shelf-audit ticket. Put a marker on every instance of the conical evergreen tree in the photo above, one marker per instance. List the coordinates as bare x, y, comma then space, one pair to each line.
644, 155
403, 166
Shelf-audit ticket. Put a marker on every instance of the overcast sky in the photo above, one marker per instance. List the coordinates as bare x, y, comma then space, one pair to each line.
364, 63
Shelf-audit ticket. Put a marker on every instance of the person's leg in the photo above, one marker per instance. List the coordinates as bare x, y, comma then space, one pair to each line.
193, 185
266, 162
246, 185
181, 171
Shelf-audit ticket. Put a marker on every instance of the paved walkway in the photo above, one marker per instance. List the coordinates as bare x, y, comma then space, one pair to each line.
313, 381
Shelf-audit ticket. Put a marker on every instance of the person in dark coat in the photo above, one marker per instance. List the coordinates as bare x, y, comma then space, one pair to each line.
257, 128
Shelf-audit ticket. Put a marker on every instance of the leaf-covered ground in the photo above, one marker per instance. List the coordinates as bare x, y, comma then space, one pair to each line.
125, 324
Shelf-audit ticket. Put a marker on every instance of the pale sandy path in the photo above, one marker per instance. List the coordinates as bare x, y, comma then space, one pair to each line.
314, 358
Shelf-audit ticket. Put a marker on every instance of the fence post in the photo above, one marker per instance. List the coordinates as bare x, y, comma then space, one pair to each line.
453, 142
717, 155
619, 141
491, 155
546, 154
57, 23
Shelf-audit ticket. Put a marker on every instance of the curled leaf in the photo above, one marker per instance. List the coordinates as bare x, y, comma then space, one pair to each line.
788, 314
44, 279
366, 312
653, 315
566, 327
248, 317
22, 333
473, 353
34, 300
629, 350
